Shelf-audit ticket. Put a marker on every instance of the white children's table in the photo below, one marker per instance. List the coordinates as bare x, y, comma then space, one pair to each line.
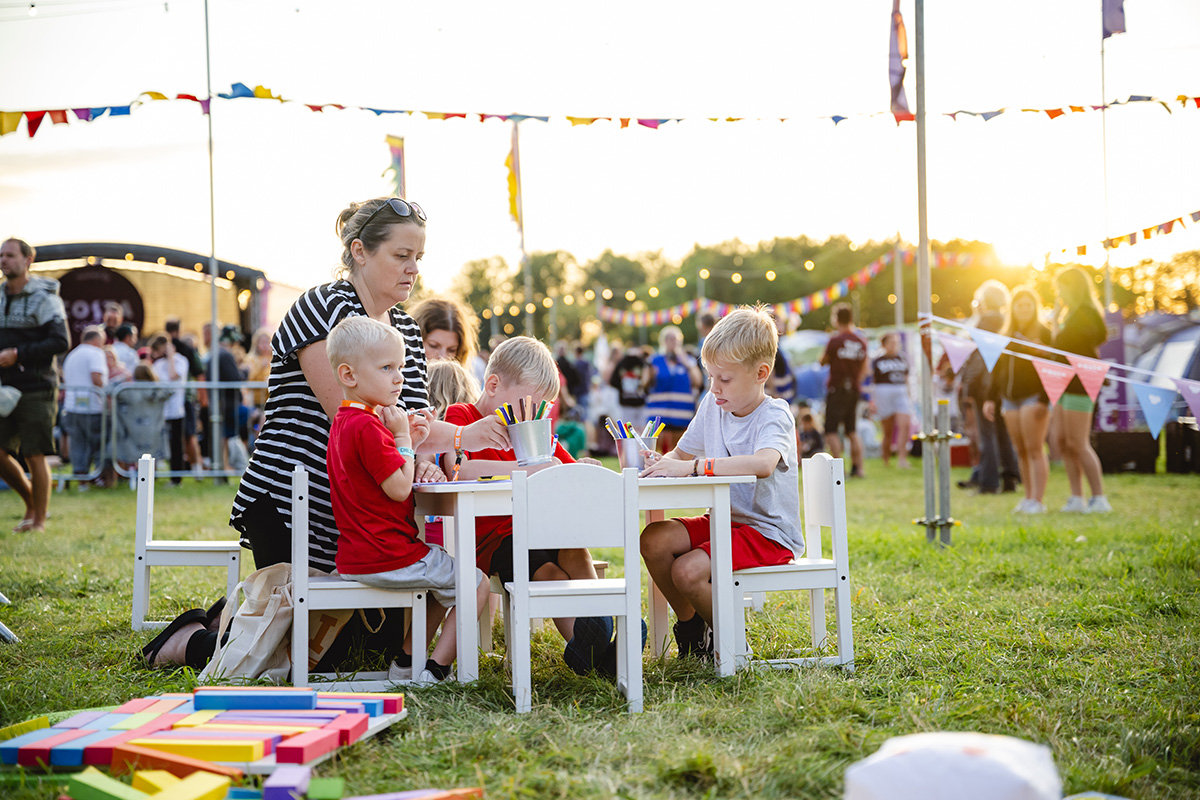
467, 501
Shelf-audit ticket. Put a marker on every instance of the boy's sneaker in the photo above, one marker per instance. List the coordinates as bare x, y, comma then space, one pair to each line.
1099, 505
426, 678
589, 642
855, 472
1030, 506
399, 674
692, 637
1075, 506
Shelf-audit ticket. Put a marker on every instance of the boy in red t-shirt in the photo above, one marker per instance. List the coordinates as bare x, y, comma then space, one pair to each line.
370, 462
523, 367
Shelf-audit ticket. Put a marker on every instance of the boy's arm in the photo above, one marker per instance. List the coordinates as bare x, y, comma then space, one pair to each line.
474, 469
677, 464
398, 485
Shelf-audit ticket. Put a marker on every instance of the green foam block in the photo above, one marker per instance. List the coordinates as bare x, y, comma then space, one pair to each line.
92, 784
326, 788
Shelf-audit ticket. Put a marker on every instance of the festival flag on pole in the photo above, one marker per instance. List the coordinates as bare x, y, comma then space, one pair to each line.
1191, 393
1113, 13
396, 146
990, 345
1156, 404
957, 350
1091, 373
1055, 377
897, 53
513, 162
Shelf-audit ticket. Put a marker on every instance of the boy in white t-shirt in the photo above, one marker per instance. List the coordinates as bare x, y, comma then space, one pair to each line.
737, 430
85, 377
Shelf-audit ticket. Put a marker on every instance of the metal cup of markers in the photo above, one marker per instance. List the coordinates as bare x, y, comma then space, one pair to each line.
629, 452
532, 441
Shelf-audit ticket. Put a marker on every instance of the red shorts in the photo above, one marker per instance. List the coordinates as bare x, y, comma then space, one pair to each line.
750, 548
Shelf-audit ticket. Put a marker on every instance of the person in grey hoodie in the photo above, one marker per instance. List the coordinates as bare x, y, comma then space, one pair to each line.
33, 332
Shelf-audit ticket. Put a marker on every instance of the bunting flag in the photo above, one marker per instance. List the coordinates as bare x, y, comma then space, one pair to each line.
898, 108
897, 54
1161, 229
990, 345
1112, 14
513, 163
396, 168
957, 350
1091, 373
1191, 394
1156, 404
1055, 377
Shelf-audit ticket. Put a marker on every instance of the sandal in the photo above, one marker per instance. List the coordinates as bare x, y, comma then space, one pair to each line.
24, 525
150, 651
212, 617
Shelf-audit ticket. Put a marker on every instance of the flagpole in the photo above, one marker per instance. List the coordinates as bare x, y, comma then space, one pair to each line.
924, 292
525, 265
214, 439
1108, 296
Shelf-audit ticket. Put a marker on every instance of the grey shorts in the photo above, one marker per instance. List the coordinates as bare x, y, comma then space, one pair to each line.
435, 572
29, 429
891, 399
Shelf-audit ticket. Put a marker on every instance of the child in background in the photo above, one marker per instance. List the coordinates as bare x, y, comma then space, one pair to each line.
141, 417
742, 432
518, 368
371, 465
448, 382
811, 441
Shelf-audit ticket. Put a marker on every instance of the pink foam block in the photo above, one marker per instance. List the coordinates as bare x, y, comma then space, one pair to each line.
135, 705
304, 747
31, 755
349, 727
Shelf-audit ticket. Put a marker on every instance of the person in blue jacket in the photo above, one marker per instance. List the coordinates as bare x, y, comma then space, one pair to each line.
671, 380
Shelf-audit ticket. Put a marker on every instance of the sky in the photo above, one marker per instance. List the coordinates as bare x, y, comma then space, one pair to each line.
1026, 183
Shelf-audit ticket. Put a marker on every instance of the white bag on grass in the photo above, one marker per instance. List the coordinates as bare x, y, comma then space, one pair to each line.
954, 766
259, 643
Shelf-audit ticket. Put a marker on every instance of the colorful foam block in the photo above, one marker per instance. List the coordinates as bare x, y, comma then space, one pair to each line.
424, 794
102, 751
206, 749
197, 786
287, 783
13, 731
10, 748
105, 722
92, 784
135, 705
166, 704
350, 727
38, 753
236, 698
393, 702
136, 720
152, 781
326, 788
263, 719
198, 718
70, 754
127, 757
349, 707
306, 746
269, 740
79, 720
239, 793
286, 730
269, 713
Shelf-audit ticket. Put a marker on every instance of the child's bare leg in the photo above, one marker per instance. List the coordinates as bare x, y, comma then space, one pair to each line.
447, 644
692, 575
577, 563
662, 544
553, 572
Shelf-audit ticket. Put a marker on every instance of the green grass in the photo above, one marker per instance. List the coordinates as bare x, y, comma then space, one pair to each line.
1076, 632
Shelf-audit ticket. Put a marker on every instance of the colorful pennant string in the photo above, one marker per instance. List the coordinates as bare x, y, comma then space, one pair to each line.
1161, 229
239, 91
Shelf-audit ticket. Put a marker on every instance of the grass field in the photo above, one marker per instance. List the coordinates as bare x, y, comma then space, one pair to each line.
1078, 632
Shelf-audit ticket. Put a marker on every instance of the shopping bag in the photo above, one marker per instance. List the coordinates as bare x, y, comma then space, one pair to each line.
259, 640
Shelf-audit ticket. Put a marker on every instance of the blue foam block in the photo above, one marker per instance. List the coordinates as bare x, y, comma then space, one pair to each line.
70, 754
224, 700
368, 705
106, 722
9, 747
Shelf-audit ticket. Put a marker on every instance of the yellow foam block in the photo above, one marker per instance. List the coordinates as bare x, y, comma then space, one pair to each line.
135, 720
207, 749
286, 730
197, 718
152, 781
197, 786
13, 731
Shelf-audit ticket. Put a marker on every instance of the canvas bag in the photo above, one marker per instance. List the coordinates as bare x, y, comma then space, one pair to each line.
259, 644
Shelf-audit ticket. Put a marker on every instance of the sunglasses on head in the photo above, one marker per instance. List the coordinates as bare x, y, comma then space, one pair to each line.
403, 208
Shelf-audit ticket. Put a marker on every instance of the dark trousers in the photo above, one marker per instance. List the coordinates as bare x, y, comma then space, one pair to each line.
997, 459
175, 439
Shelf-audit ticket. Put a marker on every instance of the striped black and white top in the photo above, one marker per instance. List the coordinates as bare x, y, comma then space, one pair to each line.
296, 430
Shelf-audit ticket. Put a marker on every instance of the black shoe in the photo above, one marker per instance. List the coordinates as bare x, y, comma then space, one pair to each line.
150, 651
591, 640
1010, 485
855, 472
212, 617
967, 485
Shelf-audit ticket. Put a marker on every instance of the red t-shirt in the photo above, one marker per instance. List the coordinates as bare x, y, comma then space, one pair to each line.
490, 531
845, 355
376, 533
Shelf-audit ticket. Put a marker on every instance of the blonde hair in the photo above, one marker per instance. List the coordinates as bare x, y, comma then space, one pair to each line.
747, 335
350, 226
522, 360
1075, 290
355, 336
442, 314
992, 295
449, 383
666, 331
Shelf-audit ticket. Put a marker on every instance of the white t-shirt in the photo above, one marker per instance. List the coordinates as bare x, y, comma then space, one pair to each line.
78, 367
127, 357
174, 407
770, 505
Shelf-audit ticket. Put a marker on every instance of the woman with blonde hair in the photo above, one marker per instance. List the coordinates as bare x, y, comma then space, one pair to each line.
1023, 401
1081, 331
997, 469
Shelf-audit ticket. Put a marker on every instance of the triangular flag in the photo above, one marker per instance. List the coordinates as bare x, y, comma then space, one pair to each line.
956, 349
84, 114
9, 120
33, 120
1091, 373
1055, 377
1191, 393
991, 345
58, 117
1054, 113
1156, 404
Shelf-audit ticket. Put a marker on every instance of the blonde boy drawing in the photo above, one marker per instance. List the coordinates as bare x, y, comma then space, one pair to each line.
738, 430
371, 464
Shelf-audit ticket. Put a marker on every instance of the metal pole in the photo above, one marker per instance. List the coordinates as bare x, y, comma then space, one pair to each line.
1108, 298
214, 407
924, 284
525, 265
943, 445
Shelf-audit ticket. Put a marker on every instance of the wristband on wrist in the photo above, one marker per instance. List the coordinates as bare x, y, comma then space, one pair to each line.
407, 452
709, 463
458, 452
695, 467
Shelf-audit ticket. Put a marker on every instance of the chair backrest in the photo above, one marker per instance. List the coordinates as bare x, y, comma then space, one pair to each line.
300, 530
824, 504
575, 505
145, 500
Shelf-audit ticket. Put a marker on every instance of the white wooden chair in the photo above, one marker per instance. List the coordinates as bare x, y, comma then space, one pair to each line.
824, 507
576, 505
150, 552
321, 592
499, 601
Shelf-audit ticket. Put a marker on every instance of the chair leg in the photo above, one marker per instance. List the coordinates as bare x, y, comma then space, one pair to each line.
300, 642
420, 626
520, 656
816, 610
631, 659
234, 572
141, 592
845, 630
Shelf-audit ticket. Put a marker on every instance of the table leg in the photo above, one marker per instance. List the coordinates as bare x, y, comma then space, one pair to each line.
466, 622
657, 627
725, 604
